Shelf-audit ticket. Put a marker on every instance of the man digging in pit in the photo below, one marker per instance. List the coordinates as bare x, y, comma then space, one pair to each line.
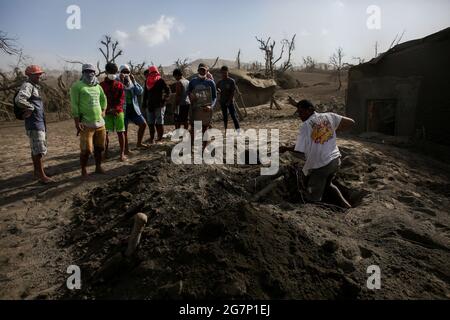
317, 141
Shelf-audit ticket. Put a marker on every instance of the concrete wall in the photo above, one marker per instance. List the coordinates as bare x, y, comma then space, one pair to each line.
404, 90
418, 76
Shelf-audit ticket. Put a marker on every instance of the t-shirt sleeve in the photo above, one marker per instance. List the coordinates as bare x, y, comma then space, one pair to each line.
213, 90
335, 120
103, 99
303, 139
233, 86
75, 100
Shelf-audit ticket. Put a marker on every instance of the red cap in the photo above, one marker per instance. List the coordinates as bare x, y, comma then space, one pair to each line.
33, 69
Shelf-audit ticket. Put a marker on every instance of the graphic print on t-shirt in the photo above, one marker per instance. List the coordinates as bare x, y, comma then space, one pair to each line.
321, 130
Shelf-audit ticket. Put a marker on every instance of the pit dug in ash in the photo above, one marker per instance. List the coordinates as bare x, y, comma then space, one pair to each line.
205, 232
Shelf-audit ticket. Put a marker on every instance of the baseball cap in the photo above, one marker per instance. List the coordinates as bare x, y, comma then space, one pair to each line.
88, 66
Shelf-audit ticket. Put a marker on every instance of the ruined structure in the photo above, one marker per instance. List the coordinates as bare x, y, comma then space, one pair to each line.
404, 91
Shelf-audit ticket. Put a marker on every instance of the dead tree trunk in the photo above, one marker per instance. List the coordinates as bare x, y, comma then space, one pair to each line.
110, 52
291, 47
337, 63
268, 48
238, 60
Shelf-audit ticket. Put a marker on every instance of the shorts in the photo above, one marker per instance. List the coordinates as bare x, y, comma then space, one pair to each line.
38, 142
183, 114
156, 116
135, 118
320, 179
115, 123
91, 138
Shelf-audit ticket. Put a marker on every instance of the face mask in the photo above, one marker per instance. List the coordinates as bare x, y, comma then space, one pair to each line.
111, 76
202, 76
89, 78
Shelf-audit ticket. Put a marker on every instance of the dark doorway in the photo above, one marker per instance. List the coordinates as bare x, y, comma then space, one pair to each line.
381, 116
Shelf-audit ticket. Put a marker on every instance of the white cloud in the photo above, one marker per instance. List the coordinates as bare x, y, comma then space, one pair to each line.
339, 3
325, 32
153, 34
122, 36
156, 33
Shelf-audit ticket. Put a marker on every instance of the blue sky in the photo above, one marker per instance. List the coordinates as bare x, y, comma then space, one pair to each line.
162, 31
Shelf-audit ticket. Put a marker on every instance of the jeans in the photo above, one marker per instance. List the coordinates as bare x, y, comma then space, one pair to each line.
232, 110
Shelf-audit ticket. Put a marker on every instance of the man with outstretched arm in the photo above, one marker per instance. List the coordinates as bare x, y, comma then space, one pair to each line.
317, 141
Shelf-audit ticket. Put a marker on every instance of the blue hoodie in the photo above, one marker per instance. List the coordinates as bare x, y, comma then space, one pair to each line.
136, 90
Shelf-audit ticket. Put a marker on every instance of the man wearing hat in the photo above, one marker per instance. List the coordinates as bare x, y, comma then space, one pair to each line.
133, 91
317, 141
203, 96
28, 98
88, 109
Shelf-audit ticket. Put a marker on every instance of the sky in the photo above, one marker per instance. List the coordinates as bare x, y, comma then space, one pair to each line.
163, 31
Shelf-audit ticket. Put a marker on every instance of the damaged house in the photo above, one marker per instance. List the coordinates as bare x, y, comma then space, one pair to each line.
404, 91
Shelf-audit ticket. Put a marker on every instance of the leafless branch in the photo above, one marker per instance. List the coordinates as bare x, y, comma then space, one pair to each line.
215, 62
337, 64
8, 45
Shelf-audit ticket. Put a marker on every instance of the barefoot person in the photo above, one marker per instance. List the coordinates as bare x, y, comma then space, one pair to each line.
88, 106
317, 140
115, 117
226, 88
29, 100
132, 110
156, 93
182, 102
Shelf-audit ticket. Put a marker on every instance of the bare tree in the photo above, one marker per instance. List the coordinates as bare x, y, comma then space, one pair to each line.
254, 66
360, 60
268, 48
337, 64
396, 41
238, 60
136, 68
290, 45
110, 52
182, 65
161, 70
8, 45
309, 63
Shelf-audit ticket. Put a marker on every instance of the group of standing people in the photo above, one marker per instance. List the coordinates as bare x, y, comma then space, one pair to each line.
109, 106
99, 108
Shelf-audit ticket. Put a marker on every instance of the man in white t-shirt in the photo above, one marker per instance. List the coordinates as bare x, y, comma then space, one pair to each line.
317, 141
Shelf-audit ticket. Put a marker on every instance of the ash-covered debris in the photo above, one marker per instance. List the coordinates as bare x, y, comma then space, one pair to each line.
208, 236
